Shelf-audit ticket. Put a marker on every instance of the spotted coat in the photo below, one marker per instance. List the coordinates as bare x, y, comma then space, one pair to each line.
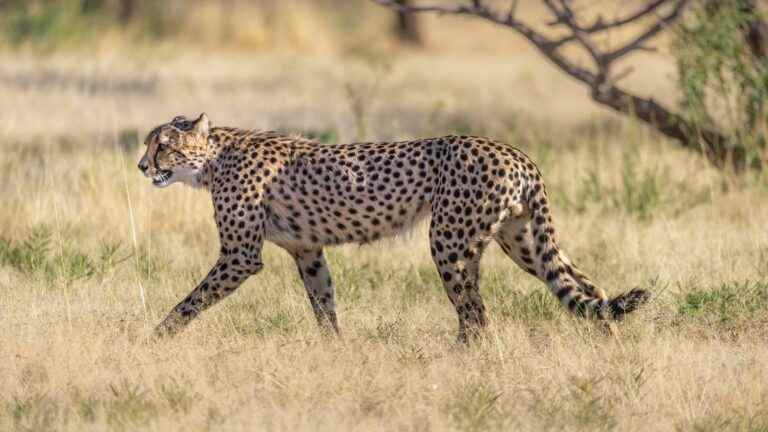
304, 196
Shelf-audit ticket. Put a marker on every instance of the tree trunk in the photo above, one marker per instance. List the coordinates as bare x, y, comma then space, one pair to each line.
408, 26
126, 11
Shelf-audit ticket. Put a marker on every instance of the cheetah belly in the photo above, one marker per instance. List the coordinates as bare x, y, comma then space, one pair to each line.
313, 229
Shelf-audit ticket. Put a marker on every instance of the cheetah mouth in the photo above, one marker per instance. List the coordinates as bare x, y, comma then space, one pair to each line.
161, 178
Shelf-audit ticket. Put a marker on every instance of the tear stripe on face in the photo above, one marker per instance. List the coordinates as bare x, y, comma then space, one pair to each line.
152, 149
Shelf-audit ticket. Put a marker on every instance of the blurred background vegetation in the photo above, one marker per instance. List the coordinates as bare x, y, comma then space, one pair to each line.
92, 255
250, 24
719, 48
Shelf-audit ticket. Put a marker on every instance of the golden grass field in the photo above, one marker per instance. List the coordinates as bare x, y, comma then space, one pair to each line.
92, 256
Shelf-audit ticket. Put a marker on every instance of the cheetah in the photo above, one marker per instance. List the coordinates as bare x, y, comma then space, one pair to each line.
303, 196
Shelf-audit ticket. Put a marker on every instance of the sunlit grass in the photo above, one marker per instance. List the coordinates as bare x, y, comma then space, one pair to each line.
92, 257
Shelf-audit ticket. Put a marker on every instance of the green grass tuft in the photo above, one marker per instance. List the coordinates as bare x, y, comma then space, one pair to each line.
725, 303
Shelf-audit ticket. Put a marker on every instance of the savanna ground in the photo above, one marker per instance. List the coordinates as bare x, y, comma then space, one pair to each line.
92, 257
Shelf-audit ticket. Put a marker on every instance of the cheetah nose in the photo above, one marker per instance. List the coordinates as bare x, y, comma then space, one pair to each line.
143, 166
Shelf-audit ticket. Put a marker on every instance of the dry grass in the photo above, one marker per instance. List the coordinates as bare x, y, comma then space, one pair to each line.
91, 257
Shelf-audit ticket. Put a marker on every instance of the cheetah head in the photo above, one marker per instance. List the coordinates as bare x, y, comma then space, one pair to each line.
176, 151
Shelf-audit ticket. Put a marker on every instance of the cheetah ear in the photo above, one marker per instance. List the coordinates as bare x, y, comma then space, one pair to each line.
202, 124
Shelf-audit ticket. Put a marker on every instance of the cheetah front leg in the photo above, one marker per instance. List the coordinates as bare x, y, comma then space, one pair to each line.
239, 258
317, 281
223, 279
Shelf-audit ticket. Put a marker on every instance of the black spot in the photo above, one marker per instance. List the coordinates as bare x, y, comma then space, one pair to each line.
552, 275
548, 255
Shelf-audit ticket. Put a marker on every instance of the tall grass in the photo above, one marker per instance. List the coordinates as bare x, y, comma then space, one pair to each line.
81, 232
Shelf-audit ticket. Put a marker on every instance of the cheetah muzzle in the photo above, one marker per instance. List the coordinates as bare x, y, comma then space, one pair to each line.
161, 178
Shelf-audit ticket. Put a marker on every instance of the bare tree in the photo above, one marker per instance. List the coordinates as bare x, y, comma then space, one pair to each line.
601, 76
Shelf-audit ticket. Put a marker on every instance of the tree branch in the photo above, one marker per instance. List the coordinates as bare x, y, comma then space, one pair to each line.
564, 15
713, 144
600, 25
652, 31
541, 42
457, 10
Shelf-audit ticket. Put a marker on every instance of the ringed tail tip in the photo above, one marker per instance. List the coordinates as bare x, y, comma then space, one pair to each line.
628, 302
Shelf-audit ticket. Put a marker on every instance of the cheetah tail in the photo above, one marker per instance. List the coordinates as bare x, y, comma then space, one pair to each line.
572, 288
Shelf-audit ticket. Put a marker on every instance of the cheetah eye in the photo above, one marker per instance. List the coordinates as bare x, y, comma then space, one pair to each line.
184, 125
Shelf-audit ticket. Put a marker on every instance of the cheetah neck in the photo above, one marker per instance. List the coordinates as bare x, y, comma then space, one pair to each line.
226, 139
219, 139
